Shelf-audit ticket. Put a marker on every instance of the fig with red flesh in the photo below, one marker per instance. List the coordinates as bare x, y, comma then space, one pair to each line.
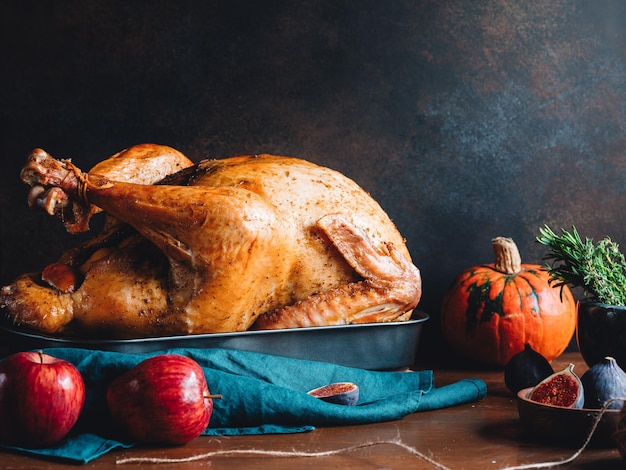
526, 369
340, 393
563, 388
604, 383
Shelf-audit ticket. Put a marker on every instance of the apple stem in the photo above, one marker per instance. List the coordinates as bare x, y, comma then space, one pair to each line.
218, 396
40, 352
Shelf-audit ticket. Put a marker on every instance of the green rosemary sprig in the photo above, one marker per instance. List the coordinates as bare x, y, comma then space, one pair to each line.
599, 269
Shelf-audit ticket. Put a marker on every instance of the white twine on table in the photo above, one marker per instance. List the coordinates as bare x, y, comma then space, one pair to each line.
277, 453
576, 454
397, 442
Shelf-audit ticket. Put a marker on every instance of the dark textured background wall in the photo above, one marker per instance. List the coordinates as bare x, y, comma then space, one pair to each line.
465, 120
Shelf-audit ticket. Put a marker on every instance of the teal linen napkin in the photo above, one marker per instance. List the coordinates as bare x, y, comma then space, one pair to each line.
262, 394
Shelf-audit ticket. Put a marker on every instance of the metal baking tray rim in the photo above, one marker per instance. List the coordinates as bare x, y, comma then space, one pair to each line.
375, 346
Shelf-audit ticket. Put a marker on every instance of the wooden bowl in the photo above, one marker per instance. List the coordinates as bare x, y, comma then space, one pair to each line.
566, 426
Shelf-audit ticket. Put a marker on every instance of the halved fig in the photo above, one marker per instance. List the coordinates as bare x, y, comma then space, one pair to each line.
563, 388
340, 393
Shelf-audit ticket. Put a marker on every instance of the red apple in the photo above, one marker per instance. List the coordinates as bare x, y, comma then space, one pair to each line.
162, 400
41, 398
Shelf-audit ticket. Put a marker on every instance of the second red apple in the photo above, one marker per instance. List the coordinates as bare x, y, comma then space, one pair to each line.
162, 400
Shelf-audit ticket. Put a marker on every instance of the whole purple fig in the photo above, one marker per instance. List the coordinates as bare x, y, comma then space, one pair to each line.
526, 369
604, 382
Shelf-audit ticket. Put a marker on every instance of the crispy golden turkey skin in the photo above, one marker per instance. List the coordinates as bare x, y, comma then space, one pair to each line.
249, 242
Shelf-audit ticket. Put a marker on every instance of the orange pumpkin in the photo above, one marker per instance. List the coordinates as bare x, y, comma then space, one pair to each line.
492, 310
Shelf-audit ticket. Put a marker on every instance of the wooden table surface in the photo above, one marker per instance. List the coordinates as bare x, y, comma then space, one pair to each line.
482, 435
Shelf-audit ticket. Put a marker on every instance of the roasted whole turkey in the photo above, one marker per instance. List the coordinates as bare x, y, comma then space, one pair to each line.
227, 245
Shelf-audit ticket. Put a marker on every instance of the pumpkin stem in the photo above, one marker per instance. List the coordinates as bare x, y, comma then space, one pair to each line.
508, 260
